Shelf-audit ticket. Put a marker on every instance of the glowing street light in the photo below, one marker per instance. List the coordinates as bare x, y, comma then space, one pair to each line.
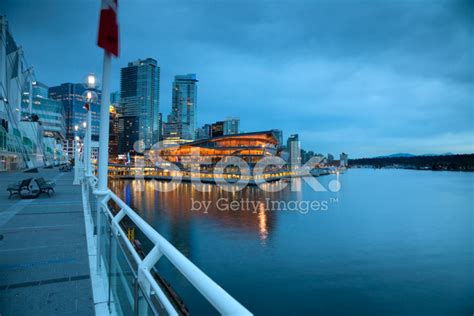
91, 81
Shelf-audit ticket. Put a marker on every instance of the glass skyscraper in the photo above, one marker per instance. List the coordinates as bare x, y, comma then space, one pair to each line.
71, 95
140, 100
182, 119
50, 112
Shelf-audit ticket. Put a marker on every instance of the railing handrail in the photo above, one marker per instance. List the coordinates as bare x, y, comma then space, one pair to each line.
214, 294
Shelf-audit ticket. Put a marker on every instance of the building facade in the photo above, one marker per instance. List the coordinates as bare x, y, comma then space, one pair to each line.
72, 97
294, 149
250, 147
140, 98
217, 129
231, 126
129, 133
204, 132
182, 119
49, 112
343, 160
22, 141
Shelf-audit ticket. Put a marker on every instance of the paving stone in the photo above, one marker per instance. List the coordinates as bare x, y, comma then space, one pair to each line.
44, 267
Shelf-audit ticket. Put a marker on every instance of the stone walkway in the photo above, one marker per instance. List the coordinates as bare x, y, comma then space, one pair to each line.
44, 265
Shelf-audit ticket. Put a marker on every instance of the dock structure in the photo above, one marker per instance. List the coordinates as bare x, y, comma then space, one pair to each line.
44, 263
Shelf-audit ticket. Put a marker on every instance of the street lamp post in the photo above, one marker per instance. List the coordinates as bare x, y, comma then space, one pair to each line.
76, 156
90, 96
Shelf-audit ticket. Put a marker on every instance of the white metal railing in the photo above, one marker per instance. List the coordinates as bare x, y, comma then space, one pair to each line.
214, 294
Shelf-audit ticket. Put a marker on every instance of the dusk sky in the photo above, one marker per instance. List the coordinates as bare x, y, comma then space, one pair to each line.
364, 77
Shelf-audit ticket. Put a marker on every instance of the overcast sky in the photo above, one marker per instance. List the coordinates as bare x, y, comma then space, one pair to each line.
364, 77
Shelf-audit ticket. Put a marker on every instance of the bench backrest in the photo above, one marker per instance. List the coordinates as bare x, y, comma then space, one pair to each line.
25, 183
41, 181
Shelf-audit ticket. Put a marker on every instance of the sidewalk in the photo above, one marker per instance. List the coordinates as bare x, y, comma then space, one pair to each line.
44, 265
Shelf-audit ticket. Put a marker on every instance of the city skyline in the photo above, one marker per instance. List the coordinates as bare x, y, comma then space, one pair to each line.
364, 92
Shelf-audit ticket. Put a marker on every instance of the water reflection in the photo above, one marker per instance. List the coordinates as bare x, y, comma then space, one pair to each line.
262, 223
243, 210
412, 228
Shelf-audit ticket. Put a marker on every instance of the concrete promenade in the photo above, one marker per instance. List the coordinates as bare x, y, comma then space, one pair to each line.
44, 264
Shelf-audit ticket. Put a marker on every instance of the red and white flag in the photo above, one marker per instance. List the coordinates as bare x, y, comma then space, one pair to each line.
86, 107
108, 37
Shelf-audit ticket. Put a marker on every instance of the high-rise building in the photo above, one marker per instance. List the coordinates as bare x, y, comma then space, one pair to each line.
330, 159
217, 129
50, 115
205, 132
231, 126
343, 160
113, 133
128, 128
160, 127
72, 97
140, 98
49, 112
294, 148
115, 99
182, 119
279, 136
114, 136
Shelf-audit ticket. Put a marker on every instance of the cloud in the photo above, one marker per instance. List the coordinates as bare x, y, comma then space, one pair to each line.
365, 78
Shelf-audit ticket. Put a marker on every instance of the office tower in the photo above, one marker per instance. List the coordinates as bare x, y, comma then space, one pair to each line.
279, 136
160, 127
294, 148
113, 133
343, 160
50, 115
129, 133
115, 99
181, 123
231, 126
48, 111
330, 158
205, 132
217, 129
72, 97
139, 101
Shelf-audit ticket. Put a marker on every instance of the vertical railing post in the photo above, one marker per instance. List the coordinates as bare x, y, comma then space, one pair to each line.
98, 222
76, 162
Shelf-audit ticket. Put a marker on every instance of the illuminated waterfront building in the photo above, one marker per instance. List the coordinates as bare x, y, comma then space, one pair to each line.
199, 158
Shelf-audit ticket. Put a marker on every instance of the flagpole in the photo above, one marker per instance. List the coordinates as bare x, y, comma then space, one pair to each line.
104, 127
102, 190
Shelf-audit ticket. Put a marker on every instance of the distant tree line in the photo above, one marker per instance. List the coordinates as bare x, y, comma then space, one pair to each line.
448, 162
